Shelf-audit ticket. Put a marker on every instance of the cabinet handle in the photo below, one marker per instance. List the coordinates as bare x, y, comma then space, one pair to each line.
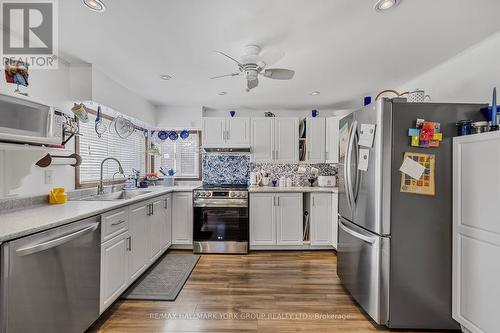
118, 223
129, 243
278, 200
152, 209
274, 201
166, 204
314, 202
308, 155
227, 135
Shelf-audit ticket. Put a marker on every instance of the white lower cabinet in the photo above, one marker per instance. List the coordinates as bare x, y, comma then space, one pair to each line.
320, 218
139, 234
167, 221
182, 218
275, 219
114, 269
156, 230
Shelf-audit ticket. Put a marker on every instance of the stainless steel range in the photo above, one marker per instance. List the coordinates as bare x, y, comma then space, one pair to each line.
220, 219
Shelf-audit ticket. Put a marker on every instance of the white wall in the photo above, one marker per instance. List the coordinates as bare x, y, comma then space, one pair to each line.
178, 117
468, 77
49, 87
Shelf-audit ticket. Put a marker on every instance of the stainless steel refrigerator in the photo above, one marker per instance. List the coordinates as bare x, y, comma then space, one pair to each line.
394, 250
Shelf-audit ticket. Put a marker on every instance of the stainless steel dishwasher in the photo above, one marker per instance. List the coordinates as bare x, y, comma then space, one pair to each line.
50, 280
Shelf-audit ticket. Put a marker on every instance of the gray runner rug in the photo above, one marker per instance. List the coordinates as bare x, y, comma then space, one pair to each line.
164, 280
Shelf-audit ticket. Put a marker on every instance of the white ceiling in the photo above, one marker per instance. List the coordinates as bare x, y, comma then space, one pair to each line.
342, 48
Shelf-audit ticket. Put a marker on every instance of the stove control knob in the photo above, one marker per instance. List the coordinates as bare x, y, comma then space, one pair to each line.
196, 194
232, 194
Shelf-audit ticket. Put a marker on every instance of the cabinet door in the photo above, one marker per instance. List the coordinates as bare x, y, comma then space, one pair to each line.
262, 219
238, 132
286, 139
167, 221
321, 218
262, 139
182, 218
315, 140
156, 230
335, 220
139, 235
213, 131
114, 269
289, 219
332, 140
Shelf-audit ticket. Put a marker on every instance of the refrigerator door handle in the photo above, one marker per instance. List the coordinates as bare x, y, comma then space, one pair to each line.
358, 172
348, 164
353, 233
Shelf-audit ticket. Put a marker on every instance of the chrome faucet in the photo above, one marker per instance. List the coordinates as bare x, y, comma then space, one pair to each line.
100, 187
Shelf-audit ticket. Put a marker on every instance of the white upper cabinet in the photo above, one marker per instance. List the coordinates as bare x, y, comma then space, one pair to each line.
315, 140
262, 139
286, 139
275, 139
332, 139
214, 130
226, 132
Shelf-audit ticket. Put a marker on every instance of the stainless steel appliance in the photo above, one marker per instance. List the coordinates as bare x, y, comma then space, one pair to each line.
394, 249
220, 219
25, 121
50, 280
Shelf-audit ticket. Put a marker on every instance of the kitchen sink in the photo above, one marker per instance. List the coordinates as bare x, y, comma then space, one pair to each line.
115, 196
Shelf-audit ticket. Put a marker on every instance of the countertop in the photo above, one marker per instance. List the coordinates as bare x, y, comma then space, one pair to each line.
35, 219
293, 189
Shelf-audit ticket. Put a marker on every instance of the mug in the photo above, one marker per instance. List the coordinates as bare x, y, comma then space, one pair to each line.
417, 96
265, 181
283, 182
314, 113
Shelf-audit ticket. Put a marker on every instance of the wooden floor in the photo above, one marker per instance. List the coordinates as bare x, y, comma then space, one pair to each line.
260, 292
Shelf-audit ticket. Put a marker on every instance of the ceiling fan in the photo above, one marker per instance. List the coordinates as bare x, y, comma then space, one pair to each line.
253, 63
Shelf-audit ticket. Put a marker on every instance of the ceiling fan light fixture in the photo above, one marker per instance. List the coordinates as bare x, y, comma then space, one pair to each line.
165, 77
95, 5
222, 93
315, 93
383, 5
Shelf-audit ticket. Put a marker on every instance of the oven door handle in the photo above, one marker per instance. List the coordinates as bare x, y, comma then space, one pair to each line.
221, 203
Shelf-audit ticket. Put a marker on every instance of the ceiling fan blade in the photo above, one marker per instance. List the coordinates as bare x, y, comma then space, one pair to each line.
252, 84
226, 75
279, 73
228, 56
272, 56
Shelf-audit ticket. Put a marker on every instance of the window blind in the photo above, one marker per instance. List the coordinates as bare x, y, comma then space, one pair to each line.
181, 155
131, 152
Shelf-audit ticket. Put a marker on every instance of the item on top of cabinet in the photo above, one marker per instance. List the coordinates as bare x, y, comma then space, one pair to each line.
314, 113
269, 114
274, 181
327, 181
487, 112
80, 111
173, 135
480, 127
417, 96
184, 134
100, 126
232, 113
163, 135
426, 134
367, 100
57, 196
494, 120
464, 127
311, 180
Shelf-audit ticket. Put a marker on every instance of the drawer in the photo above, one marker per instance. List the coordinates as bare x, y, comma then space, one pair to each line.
114, 223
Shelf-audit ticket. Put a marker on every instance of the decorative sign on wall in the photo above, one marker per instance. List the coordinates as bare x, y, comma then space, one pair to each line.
417, 173
426, 134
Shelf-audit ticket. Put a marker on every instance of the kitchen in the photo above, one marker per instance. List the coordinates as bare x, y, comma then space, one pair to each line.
187, 166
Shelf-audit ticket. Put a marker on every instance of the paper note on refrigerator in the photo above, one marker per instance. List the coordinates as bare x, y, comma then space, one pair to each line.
366, 135
412, 168
363, 159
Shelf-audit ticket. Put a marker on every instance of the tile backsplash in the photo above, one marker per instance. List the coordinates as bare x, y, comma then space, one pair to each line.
235, 169
276, 171
225, 169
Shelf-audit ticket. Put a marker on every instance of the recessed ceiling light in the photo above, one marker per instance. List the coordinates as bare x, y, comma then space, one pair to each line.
95, 5
222, 93
382, 5
165, 77
315, 93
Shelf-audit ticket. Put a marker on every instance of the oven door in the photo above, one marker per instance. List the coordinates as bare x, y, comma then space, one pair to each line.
221, 229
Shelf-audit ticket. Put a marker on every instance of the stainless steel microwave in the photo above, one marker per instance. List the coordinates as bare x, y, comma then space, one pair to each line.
25, 121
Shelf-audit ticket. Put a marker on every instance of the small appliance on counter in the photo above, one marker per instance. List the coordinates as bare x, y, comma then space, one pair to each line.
327, 181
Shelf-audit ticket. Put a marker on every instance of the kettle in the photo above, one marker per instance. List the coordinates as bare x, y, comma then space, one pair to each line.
255, 178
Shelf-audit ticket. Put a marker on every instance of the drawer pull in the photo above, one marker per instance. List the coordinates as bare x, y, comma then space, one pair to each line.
118, 222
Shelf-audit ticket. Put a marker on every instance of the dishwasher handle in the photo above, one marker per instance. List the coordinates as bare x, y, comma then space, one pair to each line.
56, 241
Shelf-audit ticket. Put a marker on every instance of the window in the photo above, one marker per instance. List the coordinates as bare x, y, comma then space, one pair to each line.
181, 155
131, 152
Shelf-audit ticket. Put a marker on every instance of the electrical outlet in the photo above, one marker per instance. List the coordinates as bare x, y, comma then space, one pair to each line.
49, 177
